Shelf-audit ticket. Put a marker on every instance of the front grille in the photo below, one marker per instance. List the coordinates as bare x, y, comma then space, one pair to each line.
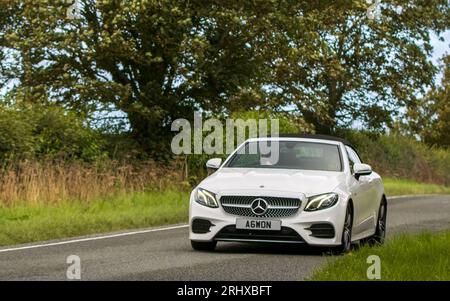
278, 206
286, 235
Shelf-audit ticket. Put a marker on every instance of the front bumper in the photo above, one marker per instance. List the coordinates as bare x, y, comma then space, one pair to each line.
295, 228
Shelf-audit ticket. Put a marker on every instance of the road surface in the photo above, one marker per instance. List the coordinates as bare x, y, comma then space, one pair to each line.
165, 254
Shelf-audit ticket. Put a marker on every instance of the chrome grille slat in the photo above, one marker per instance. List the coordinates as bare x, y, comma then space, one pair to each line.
278, 207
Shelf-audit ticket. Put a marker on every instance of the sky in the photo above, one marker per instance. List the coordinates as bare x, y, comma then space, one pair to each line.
440, 48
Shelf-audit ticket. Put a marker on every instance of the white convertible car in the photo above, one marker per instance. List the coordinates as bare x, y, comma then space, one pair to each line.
316, 192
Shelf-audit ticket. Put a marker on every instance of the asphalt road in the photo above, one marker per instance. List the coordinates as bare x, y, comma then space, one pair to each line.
167, 255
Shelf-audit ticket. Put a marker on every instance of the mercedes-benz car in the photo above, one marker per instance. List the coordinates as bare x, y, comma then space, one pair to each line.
311, 190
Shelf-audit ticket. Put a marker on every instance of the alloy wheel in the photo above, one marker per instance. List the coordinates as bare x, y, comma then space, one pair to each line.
381, 225
347, 231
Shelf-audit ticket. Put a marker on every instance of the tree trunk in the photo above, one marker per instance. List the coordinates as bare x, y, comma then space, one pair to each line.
321, 125
151, 134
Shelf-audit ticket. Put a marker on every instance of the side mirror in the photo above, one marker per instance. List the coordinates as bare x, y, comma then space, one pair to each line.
360, 169
214, 163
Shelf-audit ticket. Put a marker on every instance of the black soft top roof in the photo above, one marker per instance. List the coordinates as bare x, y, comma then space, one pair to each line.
316, 136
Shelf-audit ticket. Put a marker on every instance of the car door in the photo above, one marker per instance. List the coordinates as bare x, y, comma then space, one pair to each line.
376, 193
362, 197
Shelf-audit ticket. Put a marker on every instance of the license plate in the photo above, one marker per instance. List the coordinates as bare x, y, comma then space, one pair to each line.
258, 224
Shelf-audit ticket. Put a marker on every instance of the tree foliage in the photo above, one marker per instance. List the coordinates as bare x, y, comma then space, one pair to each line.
338, 66
430, 116
30, 131
161, 60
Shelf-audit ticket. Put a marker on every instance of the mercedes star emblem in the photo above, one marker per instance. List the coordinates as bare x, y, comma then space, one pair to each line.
259, 206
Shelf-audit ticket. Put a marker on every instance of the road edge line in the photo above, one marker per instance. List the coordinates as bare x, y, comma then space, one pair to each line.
405, 196
93, 238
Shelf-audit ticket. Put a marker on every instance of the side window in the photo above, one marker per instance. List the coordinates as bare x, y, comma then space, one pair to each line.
352, 156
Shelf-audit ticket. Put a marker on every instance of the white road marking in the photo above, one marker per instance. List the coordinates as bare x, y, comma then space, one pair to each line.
412, 196
92, 238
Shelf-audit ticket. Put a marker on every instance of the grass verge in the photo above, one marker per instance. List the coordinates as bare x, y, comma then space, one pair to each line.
24, 223
394, 186
420, 257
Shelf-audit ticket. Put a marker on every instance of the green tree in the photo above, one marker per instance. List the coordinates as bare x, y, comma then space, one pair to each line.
337, 65
154, 60
33, 131
430, 116
161, 60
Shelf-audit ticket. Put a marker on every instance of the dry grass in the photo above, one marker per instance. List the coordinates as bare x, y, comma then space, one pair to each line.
55, 181
50, 181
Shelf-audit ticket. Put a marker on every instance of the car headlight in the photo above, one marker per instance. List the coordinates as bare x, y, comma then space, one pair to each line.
321, 201
205, 198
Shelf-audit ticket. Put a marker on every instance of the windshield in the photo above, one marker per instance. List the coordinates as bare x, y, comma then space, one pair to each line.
292, 155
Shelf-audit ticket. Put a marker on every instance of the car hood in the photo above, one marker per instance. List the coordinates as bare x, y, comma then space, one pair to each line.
308, 182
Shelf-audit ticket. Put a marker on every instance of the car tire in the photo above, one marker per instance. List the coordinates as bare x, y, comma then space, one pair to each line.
203, 245
380, 232
346, 240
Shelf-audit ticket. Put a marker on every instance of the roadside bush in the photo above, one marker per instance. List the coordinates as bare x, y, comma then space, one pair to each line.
34, 131
16, 134
402, 157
